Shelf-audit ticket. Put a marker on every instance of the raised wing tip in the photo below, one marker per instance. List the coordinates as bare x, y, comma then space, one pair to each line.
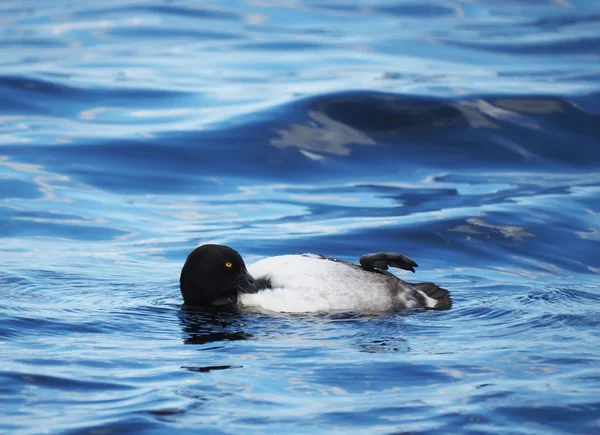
384, 260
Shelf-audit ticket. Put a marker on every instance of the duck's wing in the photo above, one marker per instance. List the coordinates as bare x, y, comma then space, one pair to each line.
384, 260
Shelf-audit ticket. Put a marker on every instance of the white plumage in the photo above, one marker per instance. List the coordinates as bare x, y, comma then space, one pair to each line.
310, 283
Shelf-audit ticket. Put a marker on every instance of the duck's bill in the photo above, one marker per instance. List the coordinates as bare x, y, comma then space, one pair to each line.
247, 284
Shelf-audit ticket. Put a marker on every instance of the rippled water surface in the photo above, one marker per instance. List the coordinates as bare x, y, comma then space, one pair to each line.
464, 134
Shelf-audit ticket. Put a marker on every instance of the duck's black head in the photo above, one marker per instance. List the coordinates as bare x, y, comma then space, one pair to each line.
213, 275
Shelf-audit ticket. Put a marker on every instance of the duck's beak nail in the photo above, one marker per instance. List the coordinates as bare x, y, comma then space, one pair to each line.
247, 284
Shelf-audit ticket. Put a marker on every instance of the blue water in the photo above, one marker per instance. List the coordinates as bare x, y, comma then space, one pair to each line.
464, 134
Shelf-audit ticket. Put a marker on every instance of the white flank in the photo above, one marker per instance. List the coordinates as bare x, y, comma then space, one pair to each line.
310, 284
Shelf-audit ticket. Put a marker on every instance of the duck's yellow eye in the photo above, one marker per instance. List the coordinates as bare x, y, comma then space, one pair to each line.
228, 264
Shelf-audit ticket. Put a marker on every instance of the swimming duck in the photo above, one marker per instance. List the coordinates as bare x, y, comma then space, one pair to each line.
216, 275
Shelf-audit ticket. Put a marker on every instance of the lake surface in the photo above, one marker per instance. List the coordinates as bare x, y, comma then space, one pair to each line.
464, 134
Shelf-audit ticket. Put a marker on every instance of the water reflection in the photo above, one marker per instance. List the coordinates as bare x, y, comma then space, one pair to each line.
325, 135
208, 369
479, 226
204, 326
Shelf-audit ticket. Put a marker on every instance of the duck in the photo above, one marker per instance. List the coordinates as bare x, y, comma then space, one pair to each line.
216, 276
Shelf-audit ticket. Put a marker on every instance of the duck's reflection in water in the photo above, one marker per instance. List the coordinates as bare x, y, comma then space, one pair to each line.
201, 326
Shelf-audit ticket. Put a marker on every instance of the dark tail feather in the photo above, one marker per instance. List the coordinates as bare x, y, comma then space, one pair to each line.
441, 295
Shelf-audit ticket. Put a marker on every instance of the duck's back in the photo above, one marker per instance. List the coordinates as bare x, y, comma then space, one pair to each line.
309, 283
